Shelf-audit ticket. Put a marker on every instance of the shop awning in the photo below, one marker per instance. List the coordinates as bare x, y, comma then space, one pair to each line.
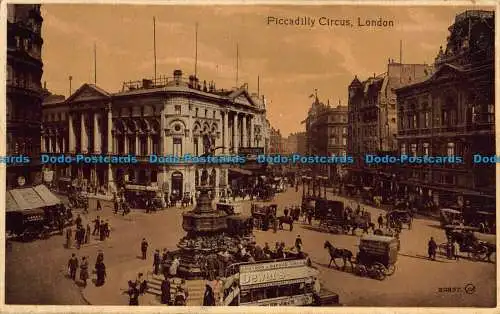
30, 198
47, 196
241, 171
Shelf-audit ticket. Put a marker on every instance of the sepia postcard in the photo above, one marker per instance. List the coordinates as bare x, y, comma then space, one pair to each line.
326, 155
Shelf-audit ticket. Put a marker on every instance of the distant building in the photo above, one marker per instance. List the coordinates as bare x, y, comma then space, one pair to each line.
453, 114
296, 143
326, 130
372, 116
24, 92
277, 143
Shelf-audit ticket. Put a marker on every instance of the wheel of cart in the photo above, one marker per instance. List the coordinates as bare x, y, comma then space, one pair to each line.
377, 271
377, 256
478, 253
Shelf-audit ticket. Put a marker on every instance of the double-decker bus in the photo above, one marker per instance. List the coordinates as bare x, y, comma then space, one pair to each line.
284, 282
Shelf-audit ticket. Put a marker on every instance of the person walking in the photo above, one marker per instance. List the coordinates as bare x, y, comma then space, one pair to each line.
208, 297
78, 221
431, 249
144, 248
69, 238
73, 266
84, 271
456, 250
87, 234
156, 262
97, 224
380, 221
101, 273
99, 207
78, 234
174, 266
133, 292
102, 231
107, 230
165, 291
298, 242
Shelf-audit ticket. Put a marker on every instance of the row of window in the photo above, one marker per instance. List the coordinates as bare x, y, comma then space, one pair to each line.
337, 119
424, 149
21, 79
449, 117
334, 141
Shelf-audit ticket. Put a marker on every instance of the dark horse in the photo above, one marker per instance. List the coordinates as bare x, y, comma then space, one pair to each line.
335, 253
285, 220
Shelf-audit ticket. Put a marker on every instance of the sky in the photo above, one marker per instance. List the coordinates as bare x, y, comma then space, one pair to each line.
291, 61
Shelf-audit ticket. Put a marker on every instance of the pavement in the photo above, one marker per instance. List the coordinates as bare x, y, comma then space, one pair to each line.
416, 282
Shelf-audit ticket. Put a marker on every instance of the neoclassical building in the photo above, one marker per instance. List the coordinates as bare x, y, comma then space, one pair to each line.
169, 116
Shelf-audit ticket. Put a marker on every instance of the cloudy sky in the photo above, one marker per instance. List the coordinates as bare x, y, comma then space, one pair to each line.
291, 61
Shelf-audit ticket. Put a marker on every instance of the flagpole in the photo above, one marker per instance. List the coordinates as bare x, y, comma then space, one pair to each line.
95, 64
196, 51
154, 45
237, 61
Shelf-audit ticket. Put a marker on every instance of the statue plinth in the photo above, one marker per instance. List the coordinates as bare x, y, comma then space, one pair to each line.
206, 236
204, 219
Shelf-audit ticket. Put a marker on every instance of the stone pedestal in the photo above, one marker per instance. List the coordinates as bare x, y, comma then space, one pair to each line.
206, 237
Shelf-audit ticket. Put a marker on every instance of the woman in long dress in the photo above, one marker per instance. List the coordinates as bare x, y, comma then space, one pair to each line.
84, 271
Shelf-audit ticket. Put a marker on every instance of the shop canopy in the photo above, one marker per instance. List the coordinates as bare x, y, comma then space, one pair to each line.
30, 198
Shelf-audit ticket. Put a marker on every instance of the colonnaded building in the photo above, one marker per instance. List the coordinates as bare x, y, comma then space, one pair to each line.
165, 116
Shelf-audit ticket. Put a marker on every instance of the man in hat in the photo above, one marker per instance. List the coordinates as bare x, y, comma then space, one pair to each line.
144, 248
73, 266
97, 224
298, 242
156, 262
78, 220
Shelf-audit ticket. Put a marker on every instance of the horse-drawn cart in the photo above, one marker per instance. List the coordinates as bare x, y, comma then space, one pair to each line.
332, 215
478, 246
262, 214
377, 256
398, 218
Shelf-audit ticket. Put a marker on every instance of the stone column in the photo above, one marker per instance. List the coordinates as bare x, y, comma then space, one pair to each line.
200, 145
84, 140
225, 131
235, 133
244, 131
252, 135
71, 139
49, 149
137, 144
58, 147
125, 143
165, 148
110, 129
63, 142
97, 134
150, 144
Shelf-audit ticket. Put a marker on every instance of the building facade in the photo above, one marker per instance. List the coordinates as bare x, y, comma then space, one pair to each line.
167, 117
453, 114
373, 115
24, 91
326, 134
296, 143
276, 142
